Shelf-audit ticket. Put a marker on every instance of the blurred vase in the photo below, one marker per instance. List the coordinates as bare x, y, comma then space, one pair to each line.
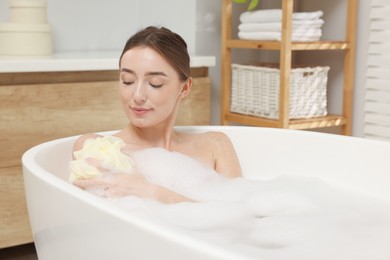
27, 32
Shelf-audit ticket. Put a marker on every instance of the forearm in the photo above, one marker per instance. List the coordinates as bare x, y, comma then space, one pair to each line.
167, 196
120, 185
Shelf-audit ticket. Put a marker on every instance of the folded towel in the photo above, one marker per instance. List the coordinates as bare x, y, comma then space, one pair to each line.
312, 22
307, 32
277, 26
299, 16
302, 38
276, 36
266, 36
260, 27
275, 15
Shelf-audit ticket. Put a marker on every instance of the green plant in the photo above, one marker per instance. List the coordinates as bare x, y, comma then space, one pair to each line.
252, 5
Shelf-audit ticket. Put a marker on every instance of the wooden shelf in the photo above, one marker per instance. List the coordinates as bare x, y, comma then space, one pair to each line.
286, 46
295, 46
306, 123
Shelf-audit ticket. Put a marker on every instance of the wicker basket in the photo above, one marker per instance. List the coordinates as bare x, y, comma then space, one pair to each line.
255, 91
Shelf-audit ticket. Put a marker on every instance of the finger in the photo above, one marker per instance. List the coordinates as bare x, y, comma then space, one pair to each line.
92, 161
88, 183
98, 164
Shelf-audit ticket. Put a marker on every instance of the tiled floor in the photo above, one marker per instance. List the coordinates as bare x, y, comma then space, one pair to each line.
24, 252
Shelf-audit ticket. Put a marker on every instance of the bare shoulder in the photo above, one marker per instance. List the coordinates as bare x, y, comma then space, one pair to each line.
226, 160
208, 140
79, 143
217, 137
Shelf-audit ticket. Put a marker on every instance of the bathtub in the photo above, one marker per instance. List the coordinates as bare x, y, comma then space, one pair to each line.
68, 223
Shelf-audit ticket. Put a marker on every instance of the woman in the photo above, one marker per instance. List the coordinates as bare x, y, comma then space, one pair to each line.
154, 78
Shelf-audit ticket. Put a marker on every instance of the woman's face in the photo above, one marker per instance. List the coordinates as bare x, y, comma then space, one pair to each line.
149, 87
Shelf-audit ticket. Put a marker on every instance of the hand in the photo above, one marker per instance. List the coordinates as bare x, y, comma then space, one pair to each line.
121, 185
117, 185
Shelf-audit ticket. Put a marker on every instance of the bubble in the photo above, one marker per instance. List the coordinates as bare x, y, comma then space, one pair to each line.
288, 217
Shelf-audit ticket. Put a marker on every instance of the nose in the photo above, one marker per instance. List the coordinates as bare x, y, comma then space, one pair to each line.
140, 93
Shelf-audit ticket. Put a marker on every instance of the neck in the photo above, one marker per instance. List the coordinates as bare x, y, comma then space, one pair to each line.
156, 136
160, 135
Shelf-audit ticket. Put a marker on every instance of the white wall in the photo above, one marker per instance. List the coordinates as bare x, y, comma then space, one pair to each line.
208, 42
3, 11
363, 32
106, 25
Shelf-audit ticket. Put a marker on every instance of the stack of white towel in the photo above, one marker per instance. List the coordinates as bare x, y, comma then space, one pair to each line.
266, 25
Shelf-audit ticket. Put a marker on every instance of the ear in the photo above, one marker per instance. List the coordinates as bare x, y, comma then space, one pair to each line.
186, 89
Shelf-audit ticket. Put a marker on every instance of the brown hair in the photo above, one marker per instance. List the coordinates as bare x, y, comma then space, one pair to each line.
168, 44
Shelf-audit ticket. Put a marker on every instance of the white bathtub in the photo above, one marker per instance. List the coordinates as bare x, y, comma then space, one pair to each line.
68, 223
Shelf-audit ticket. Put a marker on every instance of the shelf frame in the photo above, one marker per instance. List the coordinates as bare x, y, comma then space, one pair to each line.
298, 124
295, 46
286, 47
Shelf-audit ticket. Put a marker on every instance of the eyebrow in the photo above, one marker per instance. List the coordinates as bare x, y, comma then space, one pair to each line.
151, 73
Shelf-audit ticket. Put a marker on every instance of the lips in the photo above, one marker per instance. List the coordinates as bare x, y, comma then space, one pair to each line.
140, 110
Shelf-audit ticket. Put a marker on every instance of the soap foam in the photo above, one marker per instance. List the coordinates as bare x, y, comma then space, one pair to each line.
288, 217
98, 157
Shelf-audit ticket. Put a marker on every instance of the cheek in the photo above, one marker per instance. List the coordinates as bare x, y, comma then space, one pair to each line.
166, 98
124, 93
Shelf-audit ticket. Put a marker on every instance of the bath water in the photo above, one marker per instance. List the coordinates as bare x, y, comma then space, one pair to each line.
288, 217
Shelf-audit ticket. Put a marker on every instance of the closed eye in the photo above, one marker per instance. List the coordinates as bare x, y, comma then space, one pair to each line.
156, 85
127, 82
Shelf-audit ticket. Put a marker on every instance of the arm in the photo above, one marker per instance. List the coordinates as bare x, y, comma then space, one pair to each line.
120, 185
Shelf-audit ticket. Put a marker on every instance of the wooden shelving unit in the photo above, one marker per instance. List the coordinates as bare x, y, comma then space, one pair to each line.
286, 47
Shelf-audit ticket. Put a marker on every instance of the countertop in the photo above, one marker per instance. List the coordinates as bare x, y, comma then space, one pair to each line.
77, 61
